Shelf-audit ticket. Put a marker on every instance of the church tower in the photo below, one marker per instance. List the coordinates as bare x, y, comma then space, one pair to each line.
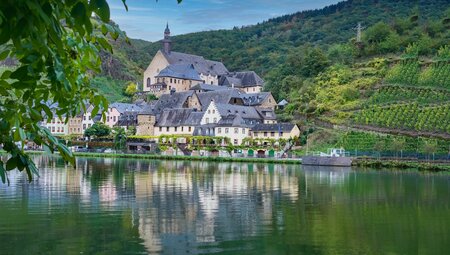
167, 43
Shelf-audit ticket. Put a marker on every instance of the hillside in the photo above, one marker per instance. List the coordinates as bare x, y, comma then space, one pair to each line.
264, 47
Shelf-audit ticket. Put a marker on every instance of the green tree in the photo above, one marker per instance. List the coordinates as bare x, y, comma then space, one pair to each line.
120, 138
131, 130
377, 33
314, 62
98, 130
55, 47
429, 148
131, 89
340, 53
397, 146
379, 147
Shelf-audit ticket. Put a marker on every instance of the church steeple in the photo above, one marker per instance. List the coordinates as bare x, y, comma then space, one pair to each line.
167, 43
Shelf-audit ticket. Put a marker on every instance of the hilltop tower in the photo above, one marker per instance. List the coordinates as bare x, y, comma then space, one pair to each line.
167, 43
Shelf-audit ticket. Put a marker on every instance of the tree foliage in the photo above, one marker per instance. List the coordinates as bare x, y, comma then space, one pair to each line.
54, 48
97, 130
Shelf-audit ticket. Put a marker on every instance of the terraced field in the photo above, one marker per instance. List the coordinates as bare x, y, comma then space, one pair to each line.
415, 97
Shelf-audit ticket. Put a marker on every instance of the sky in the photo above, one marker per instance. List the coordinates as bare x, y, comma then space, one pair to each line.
146, 19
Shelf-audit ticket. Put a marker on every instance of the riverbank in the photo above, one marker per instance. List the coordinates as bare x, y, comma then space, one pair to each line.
182, 157
398, 164
358, 162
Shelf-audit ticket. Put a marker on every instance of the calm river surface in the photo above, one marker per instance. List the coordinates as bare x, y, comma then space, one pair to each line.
121, 206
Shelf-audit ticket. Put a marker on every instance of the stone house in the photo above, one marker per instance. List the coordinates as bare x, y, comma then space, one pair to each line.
275, 131
247, 82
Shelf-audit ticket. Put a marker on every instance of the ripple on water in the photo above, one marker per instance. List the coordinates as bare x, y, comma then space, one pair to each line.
119, 206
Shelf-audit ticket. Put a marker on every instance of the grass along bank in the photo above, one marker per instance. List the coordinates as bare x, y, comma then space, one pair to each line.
397, 164
182, 157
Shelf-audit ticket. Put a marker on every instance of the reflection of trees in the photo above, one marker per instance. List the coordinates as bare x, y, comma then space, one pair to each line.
179, 206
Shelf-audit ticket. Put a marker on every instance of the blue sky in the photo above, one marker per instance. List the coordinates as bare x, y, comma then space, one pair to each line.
146, 19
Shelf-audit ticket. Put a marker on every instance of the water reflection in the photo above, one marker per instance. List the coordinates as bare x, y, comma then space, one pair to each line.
179, 207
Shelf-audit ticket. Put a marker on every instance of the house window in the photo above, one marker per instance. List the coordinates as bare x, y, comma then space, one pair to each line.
235, 141
190, 128
167, 129
84, 126
211, 83
226, 130
207, 120
219, 130
272, 134
175, 129
236, 130
256, 134
107, 118
148, 82
215, 120
53, 129
281, 133
265, 133
160, 129
243, 131
213, 111
114, 118
182, 129
209, 111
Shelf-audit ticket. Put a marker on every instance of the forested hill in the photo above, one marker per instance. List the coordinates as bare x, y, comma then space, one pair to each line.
270, 47
263, 46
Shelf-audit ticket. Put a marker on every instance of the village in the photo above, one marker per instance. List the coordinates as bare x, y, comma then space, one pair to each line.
199, 104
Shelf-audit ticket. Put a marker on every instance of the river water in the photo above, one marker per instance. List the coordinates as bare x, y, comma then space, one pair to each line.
134, 206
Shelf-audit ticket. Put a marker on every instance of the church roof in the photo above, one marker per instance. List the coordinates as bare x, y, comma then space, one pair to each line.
180, 71
241, 79
200, 64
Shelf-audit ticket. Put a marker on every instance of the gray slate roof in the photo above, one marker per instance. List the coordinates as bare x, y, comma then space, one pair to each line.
123, 107
200, 64
205, 130
194, 118
283, 102
266, 113
219, 96
241, 79
207, 87
127, 119
254, 99
172, 101
243, 111
279, 127
173, 117
180, 71
233, 120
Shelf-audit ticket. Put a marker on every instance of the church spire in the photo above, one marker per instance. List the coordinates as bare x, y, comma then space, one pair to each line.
167, 43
